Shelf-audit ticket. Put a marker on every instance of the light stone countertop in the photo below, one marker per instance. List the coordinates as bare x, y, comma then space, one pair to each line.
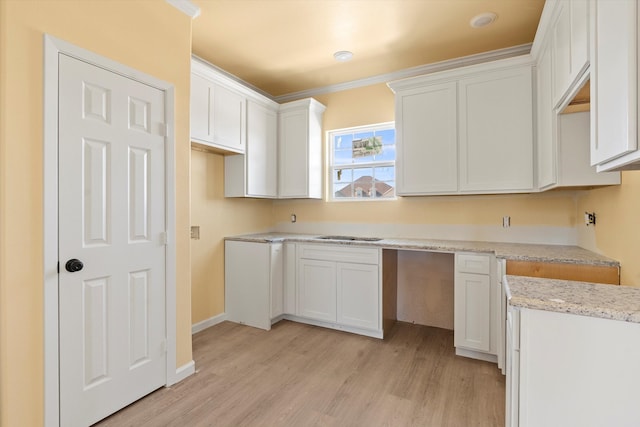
509, 251
582, 298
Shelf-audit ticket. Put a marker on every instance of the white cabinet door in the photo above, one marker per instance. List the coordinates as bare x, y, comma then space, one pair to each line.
427, 140
317, 289
570, 45
546, 141
358, 302
472, 311
217, 115
614, 79
261, 154
496, 131
561, 48
201, 114
293, 153
247, 283
300, 149
579, 37
229, 110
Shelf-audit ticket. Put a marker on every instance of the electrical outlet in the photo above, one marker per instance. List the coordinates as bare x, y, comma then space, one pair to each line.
590, 218
506, 221
195, 232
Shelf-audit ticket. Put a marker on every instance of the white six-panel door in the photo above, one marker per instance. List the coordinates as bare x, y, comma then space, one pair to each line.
112, 219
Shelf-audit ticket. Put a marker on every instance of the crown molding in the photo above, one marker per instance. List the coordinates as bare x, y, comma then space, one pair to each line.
186, 6
420, 70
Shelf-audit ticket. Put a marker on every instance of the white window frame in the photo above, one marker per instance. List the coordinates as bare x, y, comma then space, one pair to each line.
331, 167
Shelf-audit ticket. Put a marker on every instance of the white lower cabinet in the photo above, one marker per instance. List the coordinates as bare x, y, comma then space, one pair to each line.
253, 283
476, 304
317, 289
571, 370
340, 287
357, 295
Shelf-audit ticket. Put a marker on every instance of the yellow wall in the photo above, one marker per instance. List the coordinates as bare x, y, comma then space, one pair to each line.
617, 229
375, 104
217, 217
150, 36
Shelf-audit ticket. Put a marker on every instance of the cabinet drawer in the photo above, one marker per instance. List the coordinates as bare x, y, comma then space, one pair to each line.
472, 263
337, 253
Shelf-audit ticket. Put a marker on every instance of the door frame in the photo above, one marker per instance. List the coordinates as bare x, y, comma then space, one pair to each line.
53, 47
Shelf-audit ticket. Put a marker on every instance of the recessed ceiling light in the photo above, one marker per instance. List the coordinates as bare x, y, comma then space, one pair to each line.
483, 19
343, 55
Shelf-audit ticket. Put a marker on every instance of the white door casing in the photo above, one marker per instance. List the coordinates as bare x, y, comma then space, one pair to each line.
111, 218
55, 49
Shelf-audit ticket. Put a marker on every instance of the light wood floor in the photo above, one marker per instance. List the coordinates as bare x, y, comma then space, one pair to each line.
300, 375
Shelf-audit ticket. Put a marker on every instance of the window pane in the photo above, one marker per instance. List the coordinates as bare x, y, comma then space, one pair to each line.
348, 150
343, 176
341, 191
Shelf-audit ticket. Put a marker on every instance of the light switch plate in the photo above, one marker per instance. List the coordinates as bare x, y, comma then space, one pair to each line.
195, 232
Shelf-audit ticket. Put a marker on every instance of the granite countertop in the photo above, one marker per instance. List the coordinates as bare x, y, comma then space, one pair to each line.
582, 298
509, 251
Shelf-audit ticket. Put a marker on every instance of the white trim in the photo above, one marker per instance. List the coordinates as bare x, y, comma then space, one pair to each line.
183, 372
478, 355
187, 7
411, 72
335, 326
53, 47
207, 323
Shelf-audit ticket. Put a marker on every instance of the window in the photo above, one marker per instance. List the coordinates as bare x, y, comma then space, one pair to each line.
362, 162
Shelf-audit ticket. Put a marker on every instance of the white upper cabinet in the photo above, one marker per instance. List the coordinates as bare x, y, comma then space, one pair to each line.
262, 150
426, 123
562, 69
496, 131
468, 130
570, 44
255, 173
300, 149
614, 84
218, 110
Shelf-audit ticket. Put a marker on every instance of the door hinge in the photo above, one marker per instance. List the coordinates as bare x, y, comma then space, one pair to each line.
163, 238
163, 128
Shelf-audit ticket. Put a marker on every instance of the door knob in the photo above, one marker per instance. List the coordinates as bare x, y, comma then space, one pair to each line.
73, 265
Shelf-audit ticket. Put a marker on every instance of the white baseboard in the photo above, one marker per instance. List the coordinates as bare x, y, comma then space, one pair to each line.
477, 355
207, 323
182, 372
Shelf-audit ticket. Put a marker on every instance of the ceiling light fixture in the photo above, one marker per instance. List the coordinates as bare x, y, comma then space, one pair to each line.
483, 19
343, 55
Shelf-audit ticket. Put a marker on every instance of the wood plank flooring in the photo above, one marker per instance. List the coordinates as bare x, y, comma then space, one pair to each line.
300, 375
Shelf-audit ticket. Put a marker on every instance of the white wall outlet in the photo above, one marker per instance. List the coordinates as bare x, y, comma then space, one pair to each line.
506, 221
